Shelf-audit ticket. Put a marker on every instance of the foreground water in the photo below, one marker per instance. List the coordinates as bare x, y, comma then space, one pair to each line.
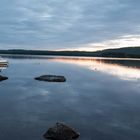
101, 98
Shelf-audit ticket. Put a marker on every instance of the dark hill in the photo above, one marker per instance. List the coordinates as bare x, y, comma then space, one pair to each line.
130, 52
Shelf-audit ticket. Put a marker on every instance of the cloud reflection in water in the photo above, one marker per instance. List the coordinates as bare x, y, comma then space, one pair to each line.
122, 68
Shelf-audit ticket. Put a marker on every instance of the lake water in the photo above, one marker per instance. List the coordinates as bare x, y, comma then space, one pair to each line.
101, 98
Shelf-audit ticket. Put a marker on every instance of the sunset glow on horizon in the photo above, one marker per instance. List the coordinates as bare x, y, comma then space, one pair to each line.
122, 42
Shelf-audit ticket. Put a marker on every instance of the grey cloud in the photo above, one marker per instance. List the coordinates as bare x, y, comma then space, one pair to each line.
60, 24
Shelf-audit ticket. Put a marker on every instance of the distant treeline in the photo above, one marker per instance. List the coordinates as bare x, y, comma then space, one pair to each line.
40, 52
130, 52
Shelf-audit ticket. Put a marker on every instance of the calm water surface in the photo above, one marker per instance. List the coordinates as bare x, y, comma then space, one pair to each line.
101, 98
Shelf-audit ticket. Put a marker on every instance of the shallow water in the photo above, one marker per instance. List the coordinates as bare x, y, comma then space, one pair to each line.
101, 98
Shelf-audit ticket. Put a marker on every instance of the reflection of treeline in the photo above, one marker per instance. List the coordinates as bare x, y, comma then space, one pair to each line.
127, 63
131, 52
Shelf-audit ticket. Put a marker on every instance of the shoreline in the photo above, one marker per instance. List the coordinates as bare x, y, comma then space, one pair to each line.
32, 56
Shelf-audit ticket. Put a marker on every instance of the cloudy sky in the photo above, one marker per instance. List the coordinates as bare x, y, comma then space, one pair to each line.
63, 24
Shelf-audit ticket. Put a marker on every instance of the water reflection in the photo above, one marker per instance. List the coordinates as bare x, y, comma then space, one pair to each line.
127, 69
100, 107
2, 67
124, 69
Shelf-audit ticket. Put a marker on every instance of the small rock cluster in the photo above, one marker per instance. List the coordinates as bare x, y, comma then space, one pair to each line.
51, 78
61, 132
3, 78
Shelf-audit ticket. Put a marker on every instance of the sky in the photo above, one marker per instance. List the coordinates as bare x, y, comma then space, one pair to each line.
69, 25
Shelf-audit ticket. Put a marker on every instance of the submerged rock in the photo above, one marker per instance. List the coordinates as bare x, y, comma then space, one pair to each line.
61, 132
3, 78
51, 78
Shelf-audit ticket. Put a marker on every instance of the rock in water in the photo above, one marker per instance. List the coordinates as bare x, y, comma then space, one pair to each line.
3, 78
51, 78
61, 132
